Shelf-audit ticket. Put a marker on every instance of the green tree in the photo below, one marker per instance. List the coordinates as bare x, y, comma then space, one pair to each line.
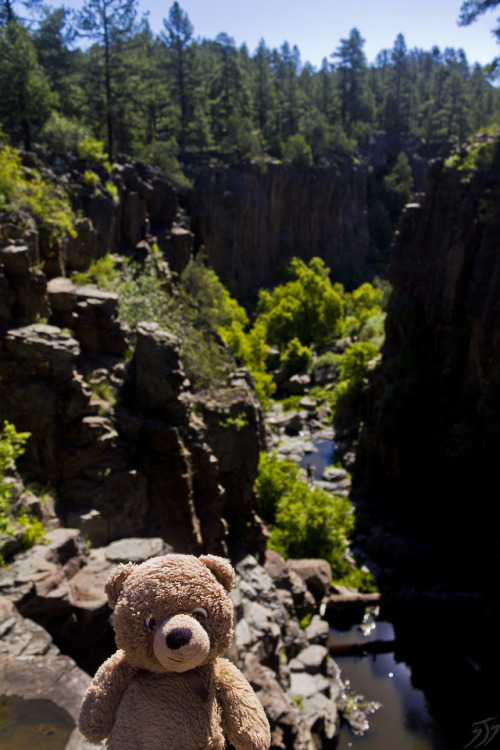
398, 90
110, 23
297, 151
264, 97
398, 185
355, 98
307, 307
25, 94
179, 32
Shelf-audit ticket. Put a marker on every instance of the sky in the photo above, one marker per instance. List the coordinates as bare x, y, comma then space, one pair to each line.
316, 26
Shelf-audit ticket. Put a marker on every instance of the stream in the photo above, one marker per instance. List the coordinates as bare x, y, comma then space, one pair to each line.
398, 716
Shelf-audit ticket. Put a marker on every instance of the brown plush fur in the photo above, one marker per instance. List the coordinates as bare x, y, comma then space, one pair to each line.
168, 687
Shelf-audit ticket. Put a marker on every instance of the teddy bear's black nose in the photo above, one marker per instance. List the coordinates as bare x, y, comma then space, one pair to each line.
178, 637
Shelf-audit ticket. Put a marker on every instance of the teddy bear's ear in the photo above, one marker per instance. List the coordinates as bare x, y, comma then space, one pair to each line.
221, 569
115, 582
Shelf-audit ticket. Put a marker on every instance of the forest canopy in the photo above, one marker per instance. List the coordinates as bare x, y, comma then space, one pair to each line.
103, 73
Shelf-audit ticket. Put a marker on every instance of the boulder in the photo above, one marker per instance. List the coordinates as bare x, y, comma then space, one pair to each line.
316, 574
158, 380
37, 683
45, 350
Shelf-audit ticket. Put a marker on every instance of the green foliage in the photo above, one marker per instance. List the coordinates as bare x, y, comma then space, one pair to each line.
275, 479
102, 271
296, 357
226, 421
63, 134
478, 153
12, 446
28, 190
250, 348
32, 529
354, 362
90, 180
306, 521
112, 190
91, 150
25, 95
297, 151
328, 359
162, 155
307, 307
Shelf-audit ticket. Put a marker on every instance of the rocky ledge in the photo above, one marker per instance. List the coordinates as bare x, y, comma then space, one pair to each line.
52, 599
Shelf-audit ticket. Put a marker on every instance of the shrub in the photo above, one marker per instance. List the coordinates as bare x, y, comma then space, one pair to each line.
306, 307
354, 362
307, 521
90, 180
162, 155
274, 480
312, 523
296, 357
28, 190
12, 445
91, 150
63, 135
328, 359
297, 151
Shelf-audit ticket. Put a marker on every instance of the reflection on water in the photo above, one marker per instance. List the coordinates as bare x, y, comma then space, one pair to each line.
27, 724
403, 721
320, 458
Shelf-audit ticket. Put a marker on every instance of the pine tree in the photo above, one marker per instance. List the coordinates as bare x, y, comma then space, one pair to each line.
110, 23
25, 94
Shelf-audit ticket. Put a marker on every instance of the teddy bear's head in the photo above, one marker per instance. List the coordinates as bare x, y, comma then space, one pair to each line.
172, 613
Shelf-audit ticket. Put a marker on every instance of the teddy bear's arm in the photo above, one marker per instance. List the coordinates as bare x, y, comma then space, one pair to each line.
243, 717
100, 703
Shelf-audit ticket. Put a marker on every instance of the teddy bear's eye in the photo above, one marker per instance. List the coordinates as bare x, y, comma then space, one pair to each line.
200, 614
150, 622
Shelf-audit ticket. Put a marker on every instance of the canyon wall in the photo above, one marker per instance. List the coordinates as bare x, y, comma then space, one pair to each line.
427, 458
119, 439
253, 219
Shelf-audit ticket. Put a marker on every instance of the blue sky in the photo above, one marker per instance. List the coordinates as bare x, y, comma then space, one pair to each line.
316, 26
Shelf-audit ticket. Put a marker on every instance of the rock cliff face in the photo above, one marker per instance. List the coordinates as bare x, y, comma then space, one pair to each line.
252, 220
428, 455
118, 441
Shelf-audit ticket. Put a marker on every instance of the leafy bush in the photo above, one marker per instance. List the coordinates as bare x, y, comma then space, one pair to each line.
63, 135
296, 357
354, 362
29, 191
162, 155
90, 180
275, 479
297, 151
12, 445
307, 522
328, 359
306, 307
91, 150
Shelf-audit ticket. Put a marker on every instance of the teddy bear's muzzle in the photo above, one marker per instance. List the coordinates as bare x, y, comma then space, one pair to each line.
181, 643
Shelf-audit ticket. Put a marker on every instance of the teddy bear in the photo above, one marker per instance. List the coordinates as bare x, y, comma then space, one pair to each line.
168, 687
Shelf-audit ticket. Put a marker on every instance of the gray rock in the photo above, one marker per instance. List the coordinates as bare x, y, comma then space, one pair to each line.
316, 574
46, 349
311, 660
62, 294
31, 670
308, 685
317, 631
